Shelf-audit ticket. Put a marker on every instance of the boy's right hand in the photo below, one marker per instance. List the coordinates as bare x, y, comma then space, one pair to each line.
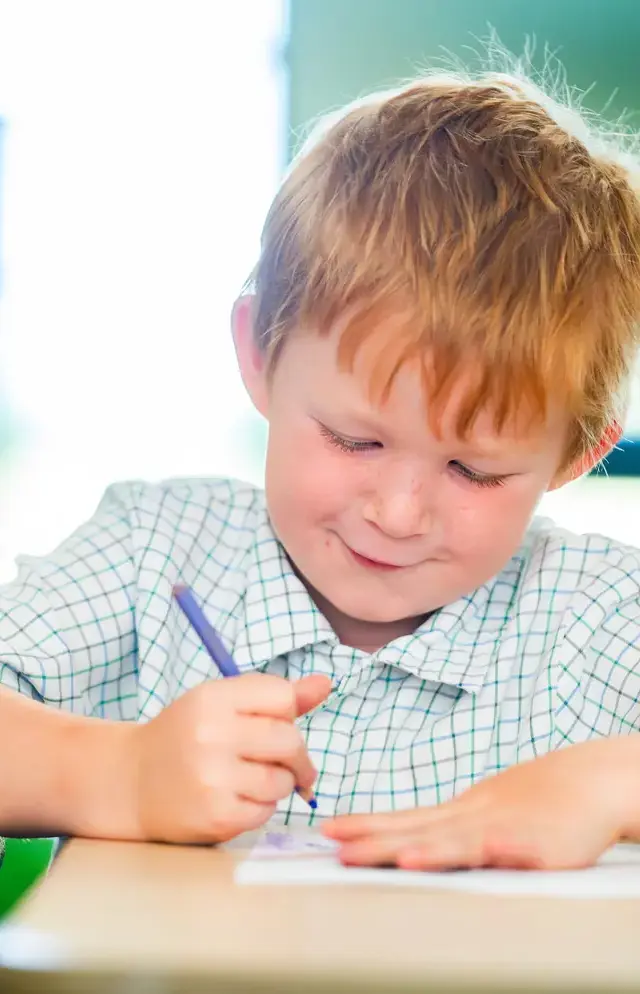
215, 762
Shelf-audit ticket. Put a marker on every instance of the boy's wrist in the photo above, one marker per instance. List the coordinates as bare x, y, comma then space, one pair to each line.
625, 770
99, 788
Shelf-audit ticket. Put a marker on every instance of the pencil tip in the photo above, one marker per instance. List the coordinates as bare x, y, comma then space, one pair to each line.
313, 804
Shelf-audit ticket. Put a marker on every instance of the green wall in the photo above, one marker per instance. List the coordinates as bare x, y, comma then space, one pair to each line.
339, 49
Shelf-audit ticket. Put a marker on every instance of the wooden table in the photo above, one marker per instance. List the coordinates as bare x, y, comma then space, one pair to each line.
125, 917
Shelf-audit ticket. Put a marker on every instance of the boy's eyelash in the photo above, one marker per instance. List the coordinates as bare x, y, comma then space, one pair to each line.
347, 444
476, 478
352, 445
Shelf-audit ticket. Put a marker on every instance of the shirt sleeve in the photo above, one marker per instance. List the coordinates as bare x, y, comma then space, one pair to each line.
67, 630
616, 685
599, 674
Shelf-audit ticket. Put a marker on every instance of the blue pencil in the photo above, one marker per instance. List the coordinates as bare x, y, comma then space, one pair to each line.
213, 644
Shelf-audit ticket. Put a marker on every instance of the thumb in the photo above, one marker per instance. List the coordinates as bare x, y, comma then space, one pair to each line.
311, 691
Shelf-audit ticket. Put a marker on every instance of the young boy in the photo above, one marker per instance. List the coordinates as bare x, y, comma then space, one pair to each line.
439, 330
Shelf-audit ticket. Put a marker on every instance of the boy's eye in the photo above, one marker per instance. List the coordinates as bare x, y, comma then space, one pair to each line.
477, 479
348, 444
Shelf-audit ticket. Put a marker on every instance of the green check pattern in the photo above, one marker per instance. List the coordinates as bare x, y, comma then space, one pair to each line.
544, 655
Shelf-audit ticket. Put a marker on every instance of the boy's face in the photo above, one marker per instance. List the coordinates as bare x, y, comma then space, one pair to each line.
383, 520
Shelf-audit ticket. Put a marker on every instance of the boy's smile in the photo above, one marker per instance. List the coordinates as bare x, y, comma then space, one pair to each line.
378, 564
384, 521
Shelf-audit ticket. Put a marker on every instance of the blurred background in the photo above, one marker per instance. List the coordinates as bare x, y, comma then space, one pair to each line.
140, 145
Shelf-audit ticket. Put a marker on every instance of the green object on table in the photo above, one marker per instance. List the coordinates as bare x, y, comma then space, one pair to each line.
23, 862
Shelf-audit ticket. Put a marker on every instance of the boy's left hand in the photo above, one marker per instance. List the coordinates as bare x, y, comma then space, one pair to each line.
557, 812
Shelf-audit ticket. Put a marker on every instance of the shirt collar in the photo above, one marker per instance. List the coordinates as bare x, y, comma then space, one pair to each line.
456, 645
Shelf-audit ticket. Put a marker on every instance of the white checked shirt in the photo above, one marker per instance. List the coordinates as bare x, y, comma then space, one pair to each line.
544, 655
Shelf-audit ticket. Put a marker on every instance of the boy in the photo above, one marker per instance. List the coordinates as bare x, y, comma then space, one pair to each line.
439, 330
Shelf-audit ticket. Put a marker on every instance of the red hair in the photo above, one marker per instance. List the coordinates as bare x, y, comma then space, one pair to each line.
482, 234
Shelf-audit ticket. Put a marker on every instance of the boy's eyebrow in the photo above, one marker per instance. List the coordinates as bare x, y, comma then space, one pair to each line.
355, 419
498, 449
486, 449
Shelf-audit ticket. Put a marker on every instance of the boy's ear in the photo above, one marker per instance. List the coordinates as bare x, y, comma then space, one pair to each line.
251, 359
609, 440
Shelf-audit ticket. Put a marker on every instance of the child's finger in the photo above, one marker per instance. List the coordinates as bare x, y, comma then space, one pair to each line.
347, 827
376, 850
260, 693
264, 783
310, 692
267, 740
471, 843
243, 816
277, 742
418, 850
453, 852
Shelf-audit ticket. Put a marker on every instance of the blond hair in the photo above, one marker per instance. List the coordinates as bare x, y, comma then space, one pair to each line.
502, 227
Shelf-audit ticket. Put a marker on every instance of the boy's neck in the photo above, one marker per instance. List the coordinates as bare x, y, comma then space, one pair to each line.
368, 636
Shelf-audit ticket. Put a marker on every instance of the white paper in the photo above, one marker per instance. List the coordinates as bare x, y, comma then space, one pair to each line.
281, 857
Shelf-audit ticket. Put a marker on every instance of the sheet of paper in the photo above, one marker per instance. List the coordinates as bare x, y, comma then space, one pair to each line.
279, 844
281, 857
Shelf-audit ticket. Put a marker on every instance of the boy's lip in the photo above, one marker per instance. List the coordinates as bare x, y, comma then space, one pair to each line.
373, 563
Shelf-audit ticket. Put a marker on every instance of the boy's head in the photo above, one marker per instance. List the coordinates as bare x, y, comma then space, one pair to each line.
441, 327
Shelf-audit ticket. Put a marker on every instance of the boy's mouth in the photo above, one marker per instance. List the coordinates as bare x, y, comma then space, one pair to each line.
372, 563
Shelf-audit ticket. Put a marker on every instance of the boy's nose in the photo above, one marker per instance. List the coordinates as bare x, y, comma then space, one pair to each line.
400, 513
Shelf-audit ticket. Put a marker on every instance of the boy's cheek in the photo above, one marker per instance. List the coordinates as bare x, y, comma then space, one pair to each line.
298, 480
317, 491
300, 461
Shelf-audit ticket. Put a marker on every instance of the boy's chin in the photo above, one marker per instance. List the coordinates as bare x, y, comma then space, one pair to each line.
373, 612
357, 605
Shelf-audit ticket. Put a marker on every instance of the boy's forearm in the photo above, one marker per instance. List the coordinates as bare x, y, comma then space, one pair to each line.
63, 774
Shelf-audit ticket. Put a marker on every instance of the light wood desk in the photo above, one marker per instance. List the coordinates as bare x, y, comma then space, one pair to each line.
158, 918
